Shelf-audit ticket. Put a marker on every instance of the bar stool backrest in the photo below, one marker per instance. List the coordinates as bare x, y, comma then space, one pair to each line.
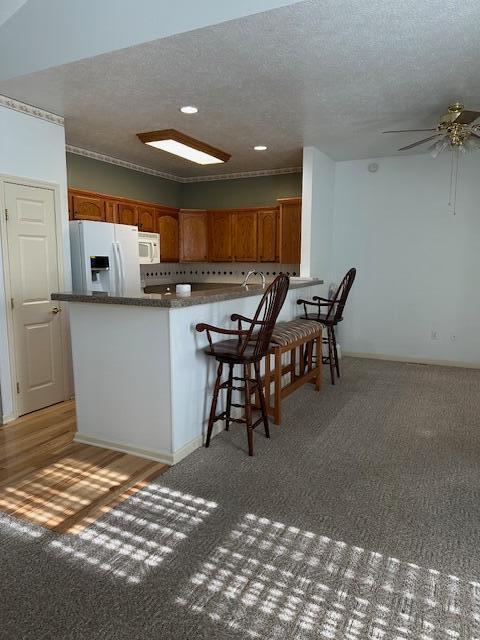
266, 316
339, 300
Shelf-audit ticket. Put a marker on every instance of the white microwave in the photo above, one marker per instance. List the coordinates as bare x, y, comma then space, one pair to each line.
148, 247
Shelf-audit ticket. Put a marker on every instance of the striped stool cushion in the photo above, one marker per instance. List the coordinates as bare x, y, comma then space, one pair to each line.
287, 332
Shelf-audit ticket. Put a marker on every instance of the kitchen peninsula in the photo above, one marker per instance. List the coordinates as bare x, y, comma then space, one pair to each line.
142, 381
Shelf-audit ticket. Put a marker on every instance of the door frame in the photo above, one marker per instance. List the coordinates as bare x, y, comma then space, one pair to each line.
8, 368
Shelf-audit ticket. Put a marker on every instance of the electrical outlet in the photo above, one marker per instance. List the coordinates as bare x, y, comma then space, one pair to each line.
434, 335
453, 337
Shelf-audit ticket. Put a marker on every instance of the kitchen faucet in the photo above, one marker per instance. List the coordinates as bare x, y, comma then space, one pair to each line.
254, 273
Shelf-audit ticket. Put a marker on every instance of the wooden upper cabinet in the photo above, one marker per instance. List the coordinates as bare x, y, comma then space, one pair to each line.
245, 236
128, 214
111, 211
88, 208
220, 236
146, 218
193, 235
267, 235
289, 230
167, 227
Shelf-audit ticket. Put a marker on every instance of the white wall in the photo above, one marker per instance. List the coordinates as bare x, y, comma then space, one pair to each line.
32, 149
317, 213
418, 264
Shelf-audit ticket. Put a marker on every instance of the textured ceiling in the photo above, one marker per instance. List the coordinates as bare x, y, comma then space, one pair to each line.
325, 73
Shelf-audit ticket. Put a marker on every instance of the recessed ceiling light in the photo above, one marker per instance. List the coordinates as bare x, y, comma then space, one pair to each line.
260, 147
189, 109
179, 144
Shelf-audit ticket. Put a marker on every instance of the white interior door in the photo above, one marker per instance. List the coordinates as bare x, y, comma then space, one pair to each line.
33, 266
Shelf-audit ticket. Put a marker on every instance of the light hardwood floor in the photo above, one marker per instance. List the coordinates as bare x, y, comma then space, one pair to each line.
49, 480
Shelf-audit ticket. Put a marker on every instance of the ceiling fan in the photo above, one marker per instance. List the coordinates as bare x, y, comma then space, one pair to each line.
457, 132
456, 129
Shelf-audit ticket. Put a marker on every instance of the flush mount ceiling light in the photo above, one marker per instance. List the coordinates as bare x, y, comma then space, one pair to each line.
179, 144
260, 147
189, 109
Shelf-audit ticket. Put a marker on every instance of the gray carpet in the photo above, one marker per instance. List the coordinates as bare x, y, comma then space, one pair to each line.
358, 519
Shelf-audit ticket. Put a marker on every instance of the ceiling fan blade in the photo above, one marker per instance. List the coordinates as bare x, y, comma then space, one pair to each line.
408, 130
467, 117
475, 135
415, 144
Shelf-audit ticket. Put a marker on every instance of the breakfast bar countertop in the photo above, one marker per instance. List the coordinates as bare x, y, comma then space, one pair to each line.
169, 300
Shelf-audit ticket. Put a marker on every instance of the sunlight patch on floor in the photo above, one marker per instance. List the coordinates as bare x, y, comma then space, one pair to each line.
136, 536
273, 581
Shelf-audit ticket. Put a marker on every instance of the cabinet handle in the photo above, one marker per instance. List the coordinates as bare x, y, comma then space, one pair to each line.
56, 310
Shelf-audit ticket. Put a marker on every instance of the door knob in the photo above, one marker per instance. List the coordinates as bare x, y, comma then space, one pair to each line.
56, 310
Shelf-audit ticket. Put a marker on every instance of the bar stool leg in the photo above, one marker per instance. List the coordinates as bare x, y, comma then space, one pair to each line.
229, 397
263, 406
331, 355
213, 408
318, 377
267, 382
278, 386
248, 408
334, 340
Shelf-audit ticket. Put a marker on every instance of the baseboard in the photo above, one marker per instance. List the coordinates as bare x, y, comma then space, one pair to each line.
413, 360
159, 456
9, 418
197, 442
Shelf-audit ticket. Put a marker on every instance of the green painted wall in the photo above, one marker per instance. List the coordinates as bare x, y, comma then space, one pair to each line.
242, 192
94, 175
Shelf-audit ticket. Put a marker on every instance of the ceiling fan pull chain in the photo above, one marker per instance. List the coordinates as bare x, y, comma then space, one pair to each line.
457, 166
451, 179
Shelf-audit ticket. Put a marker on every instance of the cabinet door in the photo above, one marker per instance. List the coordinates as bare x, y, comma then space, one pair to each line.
290, 223
267, 235
127, 214
245, 236
220, 236
88, 208
146, 218
111, 211
193, 236
167, 227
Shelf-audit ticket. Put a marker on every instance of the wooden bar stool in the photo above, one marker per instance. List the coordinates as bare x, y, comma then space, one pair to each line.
304, 337
333, 315
250, 345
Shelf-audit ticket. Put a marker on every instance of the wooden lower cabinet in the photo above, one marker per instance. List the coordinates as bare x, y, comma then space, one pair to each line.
245, 236
193, 235
167, 226
267, 235
88, 208
289, 230
128, 214
220, 230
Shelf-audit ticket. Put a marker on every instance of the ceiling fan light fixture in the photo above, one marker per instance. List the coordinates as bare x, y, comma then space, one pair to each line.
179, 144
438, 147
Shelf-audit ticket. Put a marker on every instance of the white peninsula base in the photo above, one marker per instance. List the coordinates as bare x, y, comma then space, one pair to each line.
142, 382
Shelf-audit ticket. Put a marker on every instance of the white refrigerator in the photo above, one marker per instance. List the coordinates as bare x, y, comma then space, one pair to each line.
105, 257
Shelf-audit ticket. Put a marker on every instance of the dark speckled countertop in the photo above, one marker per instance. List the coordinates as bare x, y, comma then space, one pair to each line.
202, 293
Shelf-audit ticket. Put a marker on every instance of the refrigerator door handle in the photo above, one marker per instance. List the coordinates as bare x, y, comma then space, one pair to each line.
117, 273
122, 269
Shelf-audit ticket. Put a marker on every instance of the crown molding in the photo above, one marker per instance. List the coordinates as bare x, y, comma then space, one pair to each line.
29, 110
244, 174
121, 163
168, 176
